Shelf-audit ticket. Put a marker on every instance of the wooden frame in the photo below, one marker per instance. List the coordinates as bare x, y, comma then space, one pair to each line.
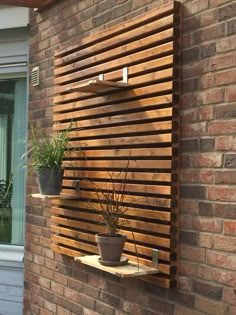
138, 122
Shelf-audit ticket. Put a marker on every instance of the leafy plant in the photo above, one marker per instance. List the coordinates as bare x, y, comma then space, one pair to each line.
47, 152
112, 201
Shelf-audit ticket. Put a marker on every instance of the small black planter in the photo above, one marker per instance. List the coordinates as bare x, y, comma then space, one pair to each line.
110, 249
50, 180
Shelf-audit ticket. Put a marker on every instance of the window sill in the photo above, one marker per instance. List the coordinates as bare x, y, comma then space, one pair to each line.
11, 253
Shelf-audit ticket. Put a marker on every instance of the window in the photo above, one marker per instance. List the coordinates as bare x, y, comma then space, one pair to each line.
13, 126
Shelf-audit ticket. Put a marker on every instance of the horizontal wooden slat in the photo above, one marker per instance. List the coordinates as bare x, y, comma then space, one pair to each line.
136, 176
136, 212
135, 128
133, 70
118, 29
131, 46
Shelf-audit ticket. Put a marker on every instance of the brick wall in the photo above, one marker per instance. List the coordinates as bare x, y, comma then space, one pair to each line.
53, 283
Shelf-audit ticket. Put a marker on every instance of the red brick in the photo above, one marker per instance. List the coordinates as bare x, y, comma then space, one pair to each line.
225, 143
209, 33
226, 277
208, 17
196, 129
192, 253
225, 77
222, 62
229, 295
232, 311
230, 227
190, 176
222, 193
207, 160
206, 113
205, 272
225, 243
62, 311
188, 268
230, 93
179, 310
226, 44
194, 7
50, 306
184, 283
70, 294
207, 224
227, 261
212, 96
190, 115
216, 3
206, 240
222, 127
211, 307
189, 207
207, 176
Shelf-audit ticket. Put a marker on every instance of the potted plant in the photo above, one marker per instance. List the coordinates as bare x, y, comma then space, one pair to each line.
5, 211
112, 209
45, 156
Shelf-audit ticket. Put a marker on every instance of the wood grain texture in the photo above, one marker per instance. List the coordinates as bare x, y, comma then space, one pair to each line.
122, 132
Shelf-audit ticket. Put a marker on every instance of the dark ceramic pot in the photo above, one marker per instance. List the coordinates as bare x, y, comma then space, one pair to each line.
110, 247
50, 181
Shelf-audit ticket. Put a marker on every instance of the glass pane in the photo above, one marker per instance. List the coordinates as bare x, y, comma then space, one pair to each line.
13, 126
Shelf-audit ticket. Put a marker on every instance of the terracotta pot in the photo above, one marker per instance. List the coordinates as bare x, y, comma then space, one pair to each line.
110, 247
50, 180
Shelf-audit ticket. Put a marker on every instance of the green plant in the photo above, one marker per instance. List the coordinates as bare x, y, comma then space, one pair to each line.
112, 200
47, 152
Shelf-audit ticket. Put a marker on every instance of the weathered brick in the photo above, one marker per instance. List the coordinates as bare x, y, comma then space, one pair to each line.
224, 243
226, 44
103, 308
130, 307
229, 295
230, 227
86, 301
189, 145
162, 306
179, 310
195, 6
110, 299
230, 160
207, 289
205, 272
225, 77
192, 253
231, 27
227, 261
207, 144
228, 211
208, 50
227, 11
185, 299
191, 54
230, 93
226, 277
190, 176
189, 238
206, 240
225, 177
211, 307
207, 224
209, 33
193, 192
221, 193
222, 127
206, 209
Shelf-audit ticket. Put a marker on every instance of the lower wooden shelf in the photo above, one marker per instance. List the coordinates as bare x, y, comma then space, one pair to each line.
131, 269
61, 196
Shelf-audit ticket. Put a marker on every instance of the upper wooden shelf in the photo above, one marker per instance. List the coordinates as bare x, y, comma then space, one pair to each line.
98, 86
61, 196
131, 269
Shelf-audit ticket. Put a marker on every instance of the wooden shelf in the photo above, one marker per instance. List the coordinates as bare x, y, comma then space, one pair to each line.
98, 86
132, 269
61, 196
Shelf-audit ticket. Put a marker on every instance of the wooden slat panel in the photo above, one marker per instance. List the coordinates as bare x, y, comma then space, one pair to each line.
134, 127
118, 29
